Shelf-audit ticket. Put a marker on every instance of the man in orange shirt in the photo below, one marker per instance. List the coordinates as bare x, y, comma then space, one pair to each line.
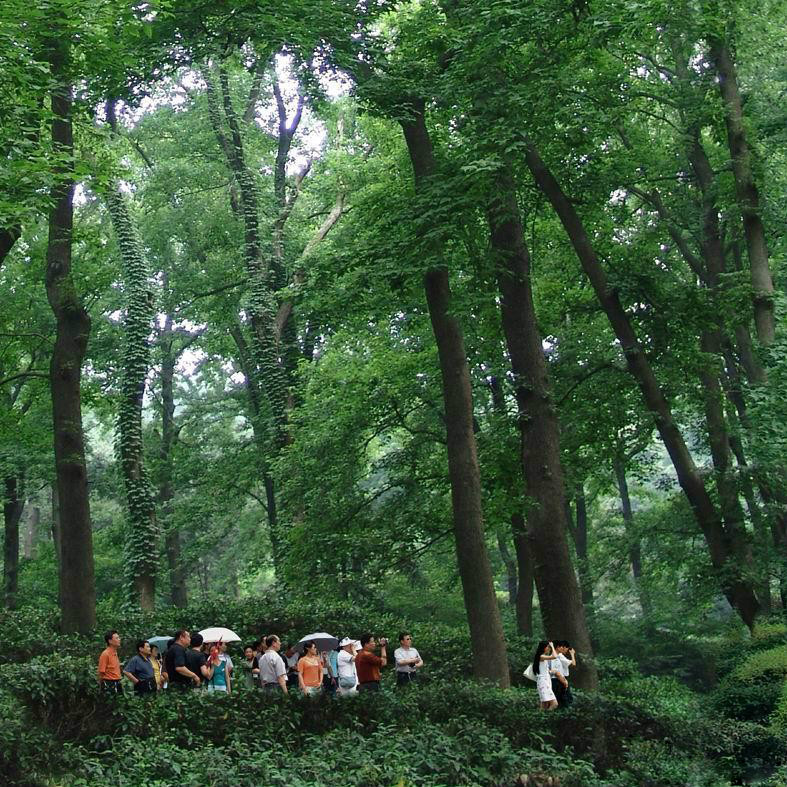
109, 664
367, 664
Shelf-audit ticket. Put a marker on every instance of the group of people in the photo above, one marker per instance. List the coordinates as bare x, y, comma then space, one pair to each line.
189, 662
552, 663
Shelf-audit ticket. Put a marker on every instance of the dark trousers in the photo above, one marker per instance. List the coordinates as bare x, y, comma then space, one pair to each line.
112, 686
562, 693
370, 685
328, 685
405, 678
146, 686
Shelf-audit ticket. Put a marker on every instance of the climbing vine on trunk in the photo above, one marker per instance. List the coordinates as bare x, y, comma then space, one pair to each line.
141, 530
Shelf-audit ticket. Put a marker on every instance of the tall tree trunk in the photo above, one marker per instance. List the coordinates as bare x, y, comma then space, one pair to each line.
259, 269
166, 491
486, 629
509, 563
8, 237
558, 593
13, 506
77, 583
526, 583
726, 562
746, 191
583, 556
632, 537
31, 533
141, 526
255, 396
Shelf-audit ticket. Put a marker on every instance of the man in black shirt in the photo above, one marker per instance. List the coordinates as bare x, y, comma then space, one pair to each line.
180, 676
196, 660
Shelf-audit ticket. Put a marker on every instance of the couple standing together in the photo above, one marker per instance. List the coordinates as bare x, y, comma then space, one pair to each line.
551, 664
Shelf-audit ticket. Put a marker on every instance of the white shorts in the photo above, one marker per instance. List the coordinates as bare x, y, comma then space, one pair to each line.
544, 686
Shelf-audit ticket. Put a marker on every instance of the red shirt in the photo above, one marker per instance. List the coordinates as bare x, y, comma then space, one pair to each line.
367, 665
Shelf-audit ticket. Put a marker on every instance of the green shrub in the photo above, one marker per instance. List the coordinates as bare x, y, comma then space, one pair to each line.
655, 764
752, 690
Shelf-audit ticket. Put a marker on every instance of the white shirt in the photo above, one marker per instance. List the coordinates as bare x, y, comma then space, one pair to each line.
405, 654
561, 664
543, 669
271, 667
346, 665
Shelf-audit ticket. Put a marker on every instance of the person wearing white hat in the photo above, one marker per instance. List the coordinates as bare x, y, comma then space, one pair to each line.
348, 677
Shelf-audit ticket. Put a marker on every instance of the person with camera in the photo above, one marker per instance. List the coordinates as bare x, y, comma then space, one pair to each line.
139, 669
368, 664
347, 677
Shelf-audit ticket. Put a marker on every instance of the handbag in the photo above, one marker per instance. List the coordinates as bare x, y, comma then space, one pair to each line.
346, 682
529, 674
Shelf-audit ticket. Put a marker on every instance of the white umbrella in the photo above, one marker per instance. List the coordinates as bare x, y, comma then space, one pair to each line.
324, 641
217, 633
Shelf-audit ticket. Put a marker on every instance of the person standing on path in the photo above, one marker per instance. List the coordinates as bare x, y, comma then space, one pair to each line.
566, 658
248, 668
291, 656
368, 664
180, 676
345, 661
158, 668
310, 670
544, 655
273, 674
197, 661
139, 669
407, 660
109, 664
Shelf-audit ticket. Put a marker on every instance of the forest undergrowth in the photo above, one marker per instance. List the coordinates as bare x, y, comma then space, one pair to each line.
721, 725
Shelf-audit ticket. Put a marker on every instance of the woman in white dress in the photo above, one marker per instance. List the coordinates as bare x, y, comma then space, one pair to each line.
545, 653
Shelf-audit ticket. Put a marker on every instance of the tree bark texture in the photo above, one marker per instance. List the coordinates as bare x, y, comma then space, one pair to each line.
8, 237
526, 579
736, 587
486, 630
31, 533
141, 548
583, 555
746, 191
559, 595
509, 563
77, 584
632, 537
13, 505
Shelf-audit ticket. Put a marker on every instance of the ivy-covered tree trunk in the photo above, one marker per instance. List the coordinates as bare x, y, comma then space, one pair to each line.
13, 505
726, 562
486, 630
559, 596
259, 270
141, 549
77, 585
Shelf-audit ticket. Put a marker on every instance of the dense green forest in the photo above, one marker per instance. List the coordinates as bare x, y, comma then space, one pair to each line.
458, 317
